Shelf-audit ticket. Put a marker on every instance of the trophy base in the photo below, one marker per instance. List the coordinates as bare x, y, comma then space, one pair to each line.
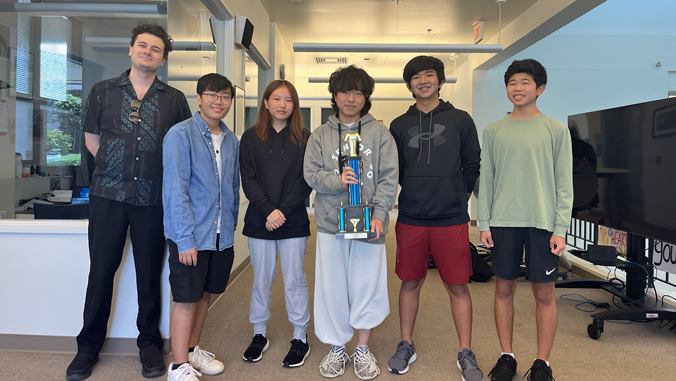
357, 235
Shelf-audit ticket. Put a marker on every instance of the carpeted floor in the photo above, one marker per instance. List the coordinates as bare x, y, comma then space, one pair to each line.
638, 351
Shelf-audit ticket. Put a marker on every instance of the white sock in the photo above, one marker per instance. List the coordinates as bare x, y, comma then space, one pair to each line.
304, 340
511, 354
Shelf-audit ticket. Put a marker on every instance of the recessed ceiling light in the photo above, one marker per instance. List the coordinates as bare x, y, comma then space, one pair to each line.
295, 1
331, 60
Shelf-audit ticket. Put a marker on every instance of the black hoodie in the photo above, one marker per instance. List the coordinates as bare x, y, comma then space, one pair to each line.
272, 178
439, 158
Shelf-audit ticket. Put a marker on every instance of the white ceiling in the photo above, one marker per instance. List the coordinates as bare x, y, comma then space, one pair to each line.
384, 21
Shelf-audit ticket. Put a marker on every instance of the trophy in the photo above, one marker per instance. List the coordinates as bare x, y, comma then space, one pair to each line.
358, 214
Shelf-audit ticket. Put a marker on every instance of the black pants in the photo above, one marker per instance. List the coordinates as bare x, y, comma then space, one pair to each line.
108, 223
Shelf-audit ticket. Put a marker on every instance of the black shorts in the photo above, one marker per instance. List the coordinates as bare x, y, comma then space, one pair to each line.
542, 265
189, 283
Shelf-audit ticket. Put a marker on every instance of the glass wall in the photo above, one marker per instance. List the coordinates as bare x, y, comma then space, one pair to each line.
49, 61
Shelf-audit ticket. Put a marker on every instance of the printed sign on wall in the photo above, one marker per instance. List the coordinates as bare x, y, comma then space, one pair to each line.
664, 257
611, 237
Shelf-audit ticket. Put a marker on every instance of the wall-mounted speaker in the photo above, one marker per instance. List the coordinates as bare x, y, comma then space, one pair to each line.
243, 32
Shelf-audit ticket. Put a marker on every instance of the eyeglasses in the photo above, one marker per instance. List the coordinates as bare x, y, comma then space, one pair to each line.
213, 98
134, 116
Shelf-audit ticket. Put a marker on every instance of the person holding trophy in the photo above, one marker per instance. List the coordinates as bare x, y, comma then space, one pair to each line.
351, 161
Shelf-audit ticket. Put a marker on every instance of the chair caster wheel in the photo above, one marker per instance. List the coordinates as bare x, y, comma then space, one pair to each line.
595, 329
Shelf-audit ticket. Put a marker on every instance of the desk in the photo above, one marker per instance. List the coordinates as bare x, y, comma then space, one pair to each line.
43, 280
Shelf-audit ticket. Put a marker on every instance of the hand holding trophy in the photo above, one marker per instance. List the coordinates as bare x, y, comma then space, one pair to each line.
356, 212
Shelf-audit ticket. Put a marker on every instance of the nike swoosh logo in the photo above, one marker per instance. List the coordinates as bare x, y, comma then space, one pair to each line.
550, 271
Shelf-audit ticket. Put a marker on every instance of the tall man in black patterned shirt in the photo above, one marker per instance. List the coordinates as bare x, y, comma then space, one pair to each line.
125, 120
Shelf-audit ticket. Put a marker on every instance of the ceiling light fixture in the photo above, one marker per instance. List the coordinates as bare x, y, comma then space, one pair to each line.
378, 80
151, 10
320, 47
331, 60
123, 42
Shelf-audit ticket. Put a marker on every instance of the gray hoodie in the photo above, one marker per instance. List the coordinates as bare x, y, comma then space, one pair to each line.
379, 180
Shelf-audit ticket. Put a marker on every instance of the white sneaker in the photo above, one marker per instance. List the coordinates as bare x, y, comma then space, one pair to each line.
205, 362
184, 373
365, 363
333, 364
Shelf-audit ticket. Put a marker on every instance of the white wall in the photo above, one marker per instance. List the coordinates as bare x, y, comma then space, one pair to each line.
283, 56
606, 58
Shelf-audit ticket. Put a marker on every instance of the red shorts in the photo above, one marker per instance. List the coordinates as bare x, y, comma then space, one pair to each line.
449, 246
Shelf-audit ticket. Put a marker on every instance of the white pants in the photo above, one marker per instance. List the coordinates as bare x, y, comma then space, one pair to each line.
350, 288
264, 260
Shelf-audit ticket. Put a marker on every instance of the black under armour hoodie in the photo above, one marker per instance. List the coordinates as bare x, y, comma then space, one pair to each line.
439, 158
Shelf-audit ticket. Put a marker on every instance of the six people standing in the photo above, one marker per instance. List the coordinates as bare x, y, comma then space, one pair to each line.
125, 122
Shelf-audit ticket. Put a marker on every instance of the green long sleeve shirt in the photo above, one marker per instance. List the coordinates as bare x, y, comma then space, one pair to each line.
526, 175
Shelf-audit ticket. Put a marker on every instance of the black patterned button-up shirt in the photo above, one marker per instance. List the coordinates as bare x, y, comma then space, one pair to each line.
129, 159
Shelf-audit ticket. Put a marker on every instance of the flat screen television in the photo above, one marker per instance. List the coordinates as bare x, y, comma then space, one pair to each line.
624, 172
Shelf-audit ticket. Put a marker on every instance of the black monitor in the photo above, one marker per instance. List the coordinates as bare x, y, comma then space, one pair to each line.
624, 170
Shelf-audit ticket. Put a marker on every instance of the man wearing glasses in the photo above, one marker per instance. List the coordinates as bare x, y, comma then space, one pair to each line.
201, 203
125, 120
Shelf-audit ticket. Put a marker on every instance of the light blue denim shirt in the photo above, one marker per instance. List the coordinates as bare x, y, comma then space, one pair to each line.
191, 194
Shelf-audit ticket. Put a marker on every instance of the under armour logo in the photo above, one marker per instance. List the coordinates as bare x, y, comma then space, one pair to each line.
416, 137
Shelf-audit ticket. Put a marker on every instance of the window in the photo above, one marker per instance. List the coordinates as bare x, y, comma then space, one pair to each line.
326, 113
250, 115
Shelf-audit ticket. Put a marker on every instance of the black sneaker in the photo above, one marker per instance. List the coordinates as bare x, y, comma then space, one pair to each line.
152, 361
504, 369
258, 345
540, 371
81, 366
297, 354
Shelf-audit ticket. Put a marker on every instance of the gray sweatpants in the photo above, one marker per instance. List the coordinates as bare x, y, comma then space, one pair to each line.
350, 288
264, 260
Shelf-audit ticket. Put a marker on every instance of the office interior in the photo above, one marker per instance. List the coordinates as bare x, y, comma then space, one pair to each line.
598, 54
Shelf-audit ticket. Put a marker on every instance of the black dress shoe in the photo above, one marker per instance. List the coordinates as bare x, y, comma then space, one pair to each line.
81, 366
152, 361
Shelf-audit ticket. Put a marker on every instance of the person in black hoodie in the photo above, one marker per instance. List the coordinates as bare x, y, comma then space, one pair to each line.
271, 164
439, 159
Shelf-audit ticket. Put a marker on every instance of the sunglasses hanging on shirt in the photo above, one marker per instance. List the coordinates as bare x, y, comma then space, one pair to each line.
134, 116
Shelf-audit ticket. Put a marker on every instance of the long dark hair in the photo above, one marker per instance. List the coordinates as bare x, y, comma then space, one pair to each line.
297, 133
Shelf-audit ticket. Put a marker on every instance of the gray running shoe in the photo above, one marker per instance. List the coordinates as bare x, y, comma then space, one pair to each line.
404, 356
468, 366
